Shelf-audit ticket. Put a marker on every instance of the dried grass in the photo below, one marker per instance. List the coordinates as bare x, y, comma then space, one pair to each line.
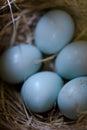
17, 22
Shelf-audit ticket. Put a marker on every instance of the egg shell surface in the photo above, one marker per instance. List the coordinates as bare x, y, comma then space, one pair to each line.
71, 62
53, 31
39, 92
72, 99
19, 62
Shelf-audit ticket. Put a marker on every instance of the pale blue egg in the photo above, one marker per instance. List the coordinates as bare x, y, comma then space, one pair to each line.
19, 62
53, 31
39, 92
71, 62
72, 99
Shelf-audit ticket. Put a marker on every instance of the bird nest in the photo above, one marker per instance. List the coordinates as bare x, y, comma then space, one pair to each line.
18, 19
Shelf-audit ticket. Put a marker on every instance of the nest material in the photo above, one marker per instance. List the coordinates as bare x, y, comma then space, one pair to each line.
17, 22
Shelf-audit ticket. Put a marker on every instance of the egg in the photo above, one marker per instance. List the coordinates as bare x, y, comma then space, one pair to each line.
39, 92
19, 62
72, 99
53, 31
71, 62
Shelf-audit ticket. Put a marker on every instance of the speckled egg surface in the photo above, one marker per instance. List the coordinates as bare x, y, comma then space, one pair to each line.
72, 99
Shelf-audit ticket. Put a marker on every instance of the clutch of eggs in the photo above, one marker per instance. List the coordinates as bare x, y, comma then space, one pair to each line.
42, 90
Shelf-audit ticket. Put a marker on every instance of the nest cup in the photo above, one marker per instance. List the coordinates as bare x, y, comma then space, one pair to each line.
18, 19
